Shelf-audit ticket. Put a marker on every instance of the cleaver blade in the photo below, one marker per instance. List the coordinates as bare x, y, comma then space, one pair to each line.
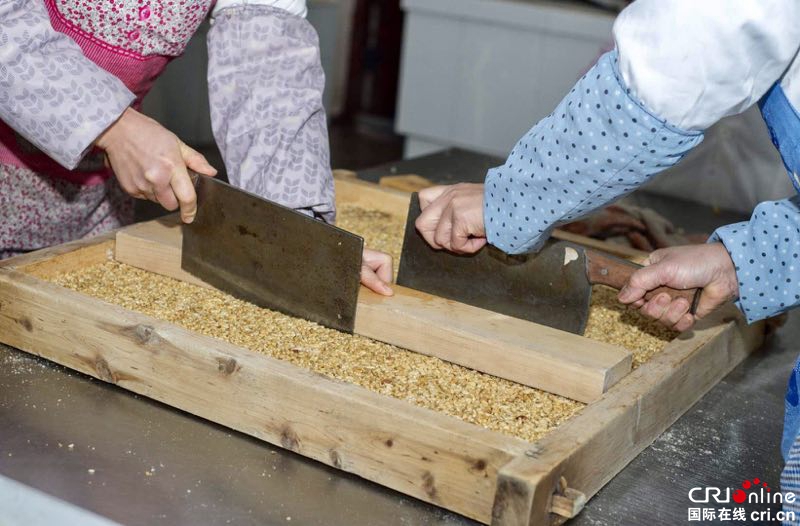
273, 256
552, 287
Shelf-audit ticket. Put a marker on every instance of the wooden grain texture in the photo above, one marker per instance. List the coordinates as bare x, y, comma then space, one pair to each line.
76, 254
533, 355
591, 448
462, 467
569, 504
419, 452
405, 183
153, 244
370, 196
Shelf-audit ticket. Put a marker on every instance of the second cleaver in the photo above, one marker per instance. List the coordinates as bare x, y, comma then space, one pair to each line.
552, 287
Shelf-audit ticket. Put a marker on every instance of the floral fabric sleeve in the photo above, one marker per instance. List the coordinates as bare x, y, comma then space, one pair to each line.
50, 93
265, 87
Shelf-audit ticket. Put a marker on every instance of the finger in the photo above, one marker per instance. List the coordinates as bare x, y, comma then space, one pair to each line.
674, 312
444, 229
431, 194
630, 294
373, 282
145, 192
706, 306
473, 245
127, 185
656, 307
685, 323
183, 189
380, 263
196, 161
645, 279
428, 222
166, 198
385, 273
461, 241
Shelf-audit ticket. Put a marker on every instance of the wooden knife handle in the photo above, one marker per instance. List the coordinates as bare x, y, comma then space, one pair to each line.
602, 269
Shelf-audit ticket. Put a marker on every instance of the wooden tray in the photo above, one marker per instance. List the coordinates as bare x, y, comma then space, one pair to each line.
488, 476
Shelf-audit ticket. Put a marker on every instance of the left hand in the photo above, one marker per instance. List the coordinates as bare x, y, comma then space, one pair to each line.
376, 271
452, 217
691, 266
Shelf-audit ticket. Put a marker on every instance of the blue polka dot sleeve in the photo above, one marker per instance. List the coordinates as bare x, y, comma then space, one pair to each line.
599, 144
765, 252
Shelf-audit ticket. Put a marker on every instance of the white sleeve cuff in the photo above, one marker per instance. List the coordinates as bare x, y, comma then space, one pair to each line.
294, 7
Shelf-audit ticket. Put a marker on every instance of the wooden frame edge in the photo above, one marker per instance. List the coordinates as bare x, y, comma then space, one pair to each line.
526, 477
446, 461
625, 421
44, 262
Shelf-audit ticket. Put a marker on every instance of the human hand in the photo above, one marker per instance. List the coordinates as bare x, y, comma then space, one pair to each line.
452, 217
376, 271
150, 162
708, 266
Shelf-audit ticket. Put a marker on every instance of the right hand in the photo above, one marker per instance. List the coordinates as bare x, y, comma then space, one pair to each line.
707, 266
452, 217
150, 162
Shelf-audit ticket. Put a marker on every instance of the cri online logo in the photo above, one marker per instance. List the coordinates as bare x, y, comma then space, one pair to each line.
752, 491
739, 496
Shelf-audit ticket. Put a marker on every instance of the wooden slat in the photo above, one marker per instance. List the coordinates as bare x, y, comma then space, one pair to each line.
152, 246
74, 255
405, 183
419, 452
351, 191
591, 448
534, 355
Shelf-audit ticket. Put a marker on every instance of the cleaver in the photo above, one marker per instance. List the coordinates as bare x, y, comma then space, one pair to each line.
273, 256
552, 287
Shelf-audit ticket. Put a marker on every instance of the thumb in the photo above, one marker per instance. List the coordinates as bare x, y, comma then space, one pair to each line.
462, 240
643, 280
473, 245
656, 256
